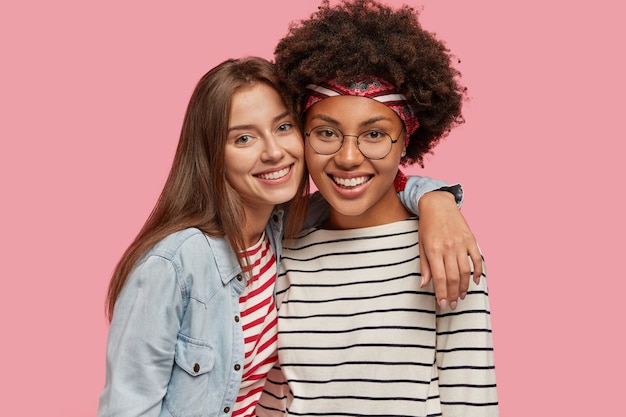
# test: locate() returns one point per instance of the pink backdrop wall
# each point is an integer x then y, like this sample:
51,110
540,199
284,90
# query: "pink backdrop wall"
91,102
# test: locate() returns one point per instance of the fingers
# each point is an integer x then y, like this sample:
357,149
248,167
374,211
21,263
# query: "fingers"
451,274
448,250
424,268
477,261
452,278
440,283
465,272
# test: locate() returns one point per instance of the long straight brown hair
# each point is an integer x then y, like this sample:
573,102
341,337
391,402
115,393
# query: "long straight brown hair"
196,193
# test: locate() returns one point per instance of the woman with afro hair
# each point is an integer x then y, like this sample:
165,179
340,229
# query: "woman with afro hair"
357,333
366,37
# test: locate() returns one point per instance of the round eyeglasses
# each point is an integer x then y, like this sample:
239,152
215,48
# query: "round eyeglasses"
373,144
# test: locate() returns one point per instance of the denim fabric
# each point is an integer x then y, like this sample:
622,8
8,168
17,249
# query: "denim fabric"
175,347
417,186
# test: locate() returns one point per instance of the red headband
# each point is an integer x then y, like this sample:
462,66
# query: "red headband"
370,87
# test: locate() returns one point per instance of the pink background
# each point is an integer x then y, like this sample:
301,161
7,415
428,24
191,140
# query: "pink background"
92,96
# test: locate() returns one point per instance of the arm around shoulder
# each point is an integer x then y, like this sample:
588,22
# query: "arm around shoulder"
416,187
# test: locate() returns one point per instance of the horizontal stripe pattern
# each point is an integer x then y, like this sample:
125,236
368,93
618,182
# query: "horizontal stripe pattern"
357,336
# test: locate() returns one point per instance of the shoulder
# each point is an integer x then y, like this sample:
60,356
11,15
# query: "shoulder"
192,257
191,249
305,237
178,242
170,253
189,242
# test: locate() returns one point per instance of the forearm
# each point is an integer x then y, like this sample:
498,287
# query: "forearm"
417,187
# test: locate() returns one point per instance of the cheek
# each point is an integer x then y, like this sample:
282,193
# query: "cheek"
314,161
232,177
392,165
388,167
236,164
392,162
296,147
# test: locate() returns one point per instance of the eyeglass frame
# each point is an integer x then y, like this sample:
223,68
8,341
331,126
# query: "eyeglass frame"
343,136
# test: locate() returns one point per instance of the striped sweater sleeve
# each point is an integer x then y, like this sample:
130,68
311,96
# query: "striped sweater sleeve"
465,360
273,401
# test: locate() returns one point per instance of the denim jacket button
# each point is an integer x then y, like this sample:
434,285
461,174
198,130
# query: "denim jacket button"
226,409
237,367
239,277
237,319
196,367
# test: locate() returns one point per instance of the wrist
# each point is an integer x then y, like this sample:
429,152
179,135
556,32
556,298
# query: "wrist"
435,198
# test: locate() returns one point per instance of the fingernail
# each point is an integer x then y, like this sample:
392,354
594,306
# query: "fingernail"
453,305
442,304
463,295
421,282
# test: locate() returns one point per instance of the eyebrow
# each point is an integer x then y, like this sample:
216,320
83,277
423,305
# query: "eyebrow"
364,123
246,127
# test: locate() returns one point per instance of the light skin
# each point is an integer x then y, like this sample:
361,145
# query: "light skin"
370,199
264,155
445,258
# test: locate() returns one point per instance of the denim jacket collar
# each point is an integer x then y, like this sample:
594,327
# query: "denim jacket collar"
225,259
227,262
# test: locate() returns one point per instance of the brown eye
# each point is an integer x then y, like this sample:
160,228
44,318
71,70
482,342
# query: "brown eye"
373,135
326,133
285,127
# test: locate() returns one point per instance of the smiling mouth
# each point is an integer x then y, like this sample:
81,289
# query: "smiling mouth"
275,175
349,182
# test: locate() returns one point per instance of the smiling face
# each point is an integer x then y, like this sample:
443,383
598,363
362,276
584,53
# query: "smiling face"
264,150
359,190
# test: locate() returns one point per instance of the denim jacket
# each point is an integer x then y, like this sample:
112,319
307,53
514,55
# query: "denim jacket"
175,345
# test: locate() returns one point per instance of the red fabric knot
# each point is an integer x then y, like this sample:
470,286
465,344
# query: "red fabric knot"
400,181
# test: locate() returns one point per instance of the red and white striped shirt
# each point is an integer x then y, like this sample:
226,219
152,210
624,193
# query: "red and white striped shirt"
259,323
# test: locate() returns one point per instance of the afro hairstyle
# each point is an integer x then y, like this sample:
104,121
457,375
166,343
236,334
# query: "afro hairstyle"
367,38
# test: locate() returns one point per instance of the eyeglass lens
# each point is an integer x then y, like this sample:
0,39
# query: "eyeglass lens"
373,144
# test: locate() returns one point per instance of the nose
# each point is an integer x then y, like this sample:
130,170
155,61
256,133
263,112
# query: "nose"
349,154
272,151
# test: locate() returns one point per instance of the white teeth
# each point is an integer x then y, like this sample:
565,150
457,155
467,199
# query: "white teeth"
275,175
350,182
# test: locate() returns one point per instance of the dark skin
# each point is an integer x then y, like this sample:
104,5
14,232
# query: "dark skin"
344,42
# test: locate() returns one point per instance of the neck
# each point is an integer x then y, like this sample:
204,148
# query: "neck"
388,209
256,221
